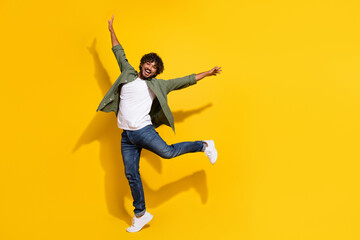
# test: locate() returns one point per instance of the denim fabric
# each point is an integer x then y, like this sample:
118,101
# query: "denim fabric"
132,142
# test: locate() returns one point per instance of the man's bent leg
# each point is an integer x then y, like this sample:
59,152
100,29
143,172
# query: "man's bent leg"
150,139
131,157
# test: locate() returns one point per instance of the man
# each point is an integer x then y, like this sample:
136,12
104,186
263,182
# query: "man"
139,101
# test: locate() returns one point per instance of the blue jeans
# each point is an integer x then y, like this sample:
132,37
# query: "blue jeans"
132,142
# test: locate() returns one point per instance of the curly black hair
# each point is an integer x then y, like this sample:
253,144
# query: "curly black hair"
153,57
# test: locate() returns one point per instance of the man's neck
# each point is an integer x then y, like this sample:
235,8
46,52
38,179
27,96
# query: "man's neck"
142,77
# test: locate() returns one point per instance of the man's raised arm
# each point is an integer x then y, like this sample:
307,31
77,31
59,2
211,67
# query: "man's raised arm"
114,39
117,48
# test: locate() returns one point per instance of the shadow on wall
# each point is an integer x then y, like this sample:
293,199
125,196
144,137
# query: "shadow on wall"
103,128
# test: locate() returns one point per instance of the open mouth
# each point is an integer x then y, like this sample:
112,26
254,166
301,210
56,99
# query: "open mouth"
148,71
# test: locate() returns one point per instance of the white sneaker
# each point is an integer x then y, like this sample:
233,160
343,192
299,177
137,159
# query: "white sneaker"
210,151
138,223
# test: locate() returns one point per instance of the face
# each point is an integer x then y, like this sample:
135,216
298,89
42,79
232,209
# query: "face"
148,69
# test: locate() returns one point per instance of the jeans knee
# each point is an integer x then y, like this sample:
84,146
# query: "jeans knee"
167,153
131,176
166,156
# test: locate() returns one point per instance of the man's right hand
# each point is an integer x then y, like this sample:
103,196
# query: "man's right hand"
111,24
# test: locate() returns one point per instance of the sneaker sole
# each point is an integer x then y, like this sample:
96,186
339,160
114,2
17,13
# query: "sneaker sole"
138,229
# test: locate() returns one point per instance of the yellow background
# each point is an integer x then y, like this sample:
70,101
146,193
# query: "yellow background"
284,115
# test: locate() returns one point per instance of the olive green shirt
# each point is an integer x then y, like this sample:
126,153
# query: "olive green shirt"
160,112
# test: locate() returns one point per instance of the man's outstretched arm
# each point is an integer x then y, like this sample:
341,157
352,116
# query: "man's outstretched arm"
183,82
212,72
118,49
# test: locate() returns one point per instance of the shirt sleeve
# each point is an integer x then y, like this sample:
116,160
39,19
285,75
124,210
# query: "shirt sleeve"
180,83
121,57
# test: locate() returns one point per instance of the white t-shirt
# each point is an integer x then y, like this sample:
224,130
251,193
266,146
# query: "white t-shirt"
135,103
